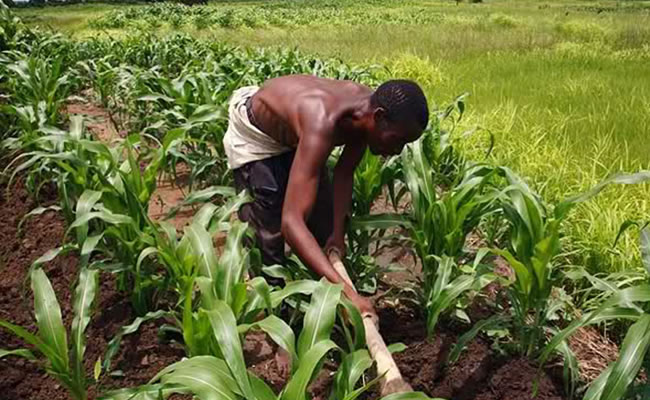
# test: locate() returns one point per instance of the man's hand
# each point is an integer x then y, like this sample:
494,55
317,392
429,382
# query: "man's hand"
335,244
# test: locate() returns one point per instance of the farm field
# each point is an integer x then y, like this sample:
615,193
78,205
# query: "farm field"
487,245
562,86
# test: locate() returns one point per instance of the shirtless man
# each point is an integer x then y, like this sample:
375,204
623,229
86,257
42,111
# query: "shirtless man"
278,141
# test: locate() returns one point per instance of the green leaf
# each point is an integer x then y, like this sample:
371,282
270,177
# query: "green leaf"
631,355
84,297
204,383
468,336
261,389
232,263
18,352
396,347
89,246
203,251
52,254
623,178
37,211
48,318
297,386
350,371
104,215
305,287
379,221
320,316
263,290
602,314
356,320
224,327
205,113
210,363
595,390
145,392
85,204
281,334
97,369
202,196
32,339
457,287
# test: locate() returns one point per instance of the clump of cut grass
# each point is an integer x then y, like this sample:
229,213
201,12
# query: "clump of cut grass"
582,30
416,68
503,20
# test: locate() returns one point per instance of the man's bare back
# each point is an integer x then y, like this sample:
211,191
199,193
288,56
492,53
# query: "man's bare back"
313,115
280,104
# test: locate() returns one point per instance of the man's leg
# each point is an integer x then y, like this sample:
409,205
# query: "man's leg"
266,182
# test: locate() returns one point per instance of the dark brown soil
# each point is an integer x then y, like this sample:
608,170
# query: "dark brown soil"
267,360
477,375
141,355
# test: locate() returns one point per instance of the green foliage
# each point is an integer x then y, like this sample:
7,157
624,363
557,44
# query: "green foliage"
440,220
64,362
284,14
373,177
533,248
224,373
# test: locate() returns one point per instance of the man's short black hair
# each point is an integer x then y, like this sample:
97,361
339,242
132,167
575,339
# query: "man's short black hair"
403,100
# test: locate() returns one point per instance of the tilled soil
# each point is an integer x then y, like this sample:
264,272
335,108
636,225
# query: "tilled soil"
478,375
141,354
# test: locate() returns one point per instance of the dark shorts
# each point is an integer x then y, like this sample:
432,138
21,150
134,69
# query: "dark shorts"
266,181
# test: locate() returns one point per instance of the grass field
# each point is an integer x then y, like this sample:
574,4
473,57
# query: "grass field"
563,86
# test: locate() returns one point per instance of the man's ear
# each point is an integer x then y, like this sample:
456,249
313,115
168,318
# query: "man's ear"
379,114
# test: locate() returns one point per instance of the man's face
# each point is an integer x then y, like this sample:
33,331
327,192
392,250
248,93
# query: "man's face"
390,138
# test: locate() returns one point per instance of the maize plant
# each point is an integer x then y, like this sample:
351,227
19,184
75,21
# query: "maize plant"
191,262
37,90
618,379
196,102
105,195
65,362
437,227
371,177
534,246
225,375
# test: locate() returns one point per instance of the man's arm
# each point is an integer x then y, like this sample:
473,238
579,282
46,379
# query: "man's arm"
343,185
311,155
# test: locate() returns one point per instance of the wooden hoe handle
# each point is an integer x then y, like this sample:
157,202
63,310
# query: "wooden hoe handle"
392,381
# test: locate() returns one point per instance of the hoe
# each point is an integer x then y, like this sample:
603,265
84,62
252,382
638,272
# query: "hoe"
391,379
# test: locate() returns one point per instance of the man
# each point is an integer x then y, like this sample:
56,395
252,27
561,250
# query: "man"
278,141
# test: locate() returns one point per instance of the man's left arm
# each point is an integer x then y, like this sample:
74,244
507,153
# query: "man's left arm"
343,184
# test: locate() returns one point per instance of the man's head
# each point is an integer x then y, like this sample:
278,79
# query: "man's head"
400,114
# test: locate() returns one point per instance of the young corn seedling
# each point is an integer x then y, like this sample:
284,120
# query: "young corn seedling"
105,195
371,176
63,361
225,376
37,90
438,225
196,102
619,379
534,245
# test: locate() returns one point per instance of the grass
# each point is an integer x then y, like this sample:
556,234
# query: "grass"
563,86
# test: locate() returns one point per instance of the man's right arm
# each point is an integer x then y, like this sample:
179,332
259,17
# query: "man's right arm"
311,155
